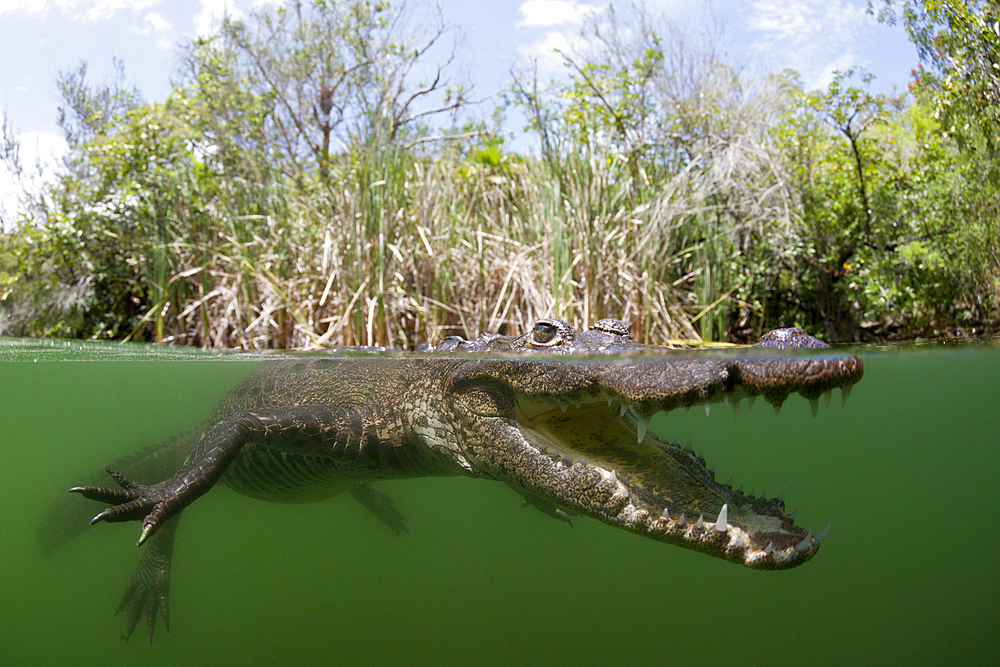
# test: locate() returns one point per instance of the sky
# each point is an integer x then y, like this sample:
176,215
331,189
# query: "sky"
42,38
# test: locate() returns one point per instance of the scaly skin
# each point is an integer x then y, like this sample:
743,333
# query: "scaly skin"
568,433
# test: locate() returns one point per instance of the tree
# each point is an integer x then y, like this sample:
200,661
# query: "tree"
887,229
322,76
650,107
286,139
960,41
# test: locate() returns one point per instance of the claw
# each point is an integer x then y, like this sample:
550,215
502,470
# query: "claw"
110,496
130,491
147,532
121,479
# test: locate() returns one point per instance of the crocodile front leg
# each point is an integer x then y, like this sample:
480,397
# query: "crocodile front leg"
307,429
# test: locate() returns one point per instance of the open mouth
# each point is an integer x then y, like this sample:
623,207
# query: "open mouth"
658,488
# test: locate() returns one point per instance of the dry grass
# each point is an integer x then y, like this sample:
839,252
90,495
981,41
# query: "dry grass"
400,250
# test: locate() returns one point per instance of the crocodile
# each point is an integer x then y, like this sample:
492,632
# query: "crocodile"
562,416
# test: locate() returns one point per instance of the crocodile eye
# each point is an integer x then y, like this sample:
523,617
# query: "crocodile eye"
544,333
550,333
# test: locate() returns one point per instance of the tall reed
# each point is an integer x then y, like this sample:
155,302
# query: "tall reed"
399,248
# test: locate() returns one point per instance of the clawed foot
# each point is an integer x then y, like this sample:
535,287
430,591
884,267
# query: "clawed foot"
145,595
151,503
381,506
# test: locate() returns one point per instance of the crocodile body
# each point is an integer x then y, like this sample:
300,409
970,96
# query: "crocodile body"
568,433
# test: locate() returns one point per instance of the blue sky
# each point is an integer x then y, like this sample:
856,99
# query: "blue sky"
43,37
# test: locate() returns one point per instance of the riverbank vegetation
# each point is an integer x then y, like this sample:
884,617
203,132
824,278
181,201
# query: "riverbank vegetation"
318,176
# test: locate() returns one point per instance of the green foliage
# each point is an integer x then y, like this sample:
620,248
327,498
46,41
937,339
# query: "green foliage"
882,238
291,192
960,42
273,124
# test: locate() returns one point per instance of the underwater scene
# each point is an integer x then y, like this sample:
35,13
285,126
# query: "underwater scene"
906,471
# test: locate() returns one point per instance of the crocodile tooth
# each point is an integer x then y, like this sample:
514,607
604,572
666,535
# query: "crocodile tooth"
666,514
792,515
581,460
725,397
750,401
708,407
730,483
769,548
701,521
613,478
723,523
845,391
577,402
564,406
610,399
777,409
781,496
804,544
622,409
641,426
827,395
736,409
814,404
821,534
681,520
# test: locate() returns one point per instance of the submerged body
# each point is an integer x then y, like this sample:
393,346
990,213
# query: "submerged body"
570,434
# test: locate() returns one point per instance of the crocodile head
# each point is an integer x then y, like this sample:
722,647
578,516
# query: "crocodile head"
575,432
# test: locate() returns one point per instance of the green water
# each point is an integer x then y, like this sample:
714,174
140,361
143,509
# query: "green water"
907,472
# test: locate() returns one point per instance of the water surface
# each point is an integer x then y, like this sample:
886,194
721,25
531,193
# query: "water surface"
907,472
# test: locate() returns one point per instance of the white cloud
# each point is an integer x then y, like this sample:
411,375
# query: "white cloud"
557,24
814,37
209,18
549,13
800,22
157,22
23,7
824,76
543,52
154,22
102,10
77,10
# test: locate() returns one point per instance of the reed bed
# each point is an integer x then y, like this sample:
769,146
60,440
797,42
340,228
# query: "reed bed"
400,249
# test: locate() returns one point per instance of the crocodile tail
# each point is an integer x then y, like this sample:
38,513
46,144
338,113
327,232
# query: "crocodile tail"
70,515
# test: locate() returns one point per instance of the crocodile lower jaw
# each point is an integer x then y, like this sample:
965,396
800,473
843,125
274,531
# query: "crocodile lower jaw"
657,488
